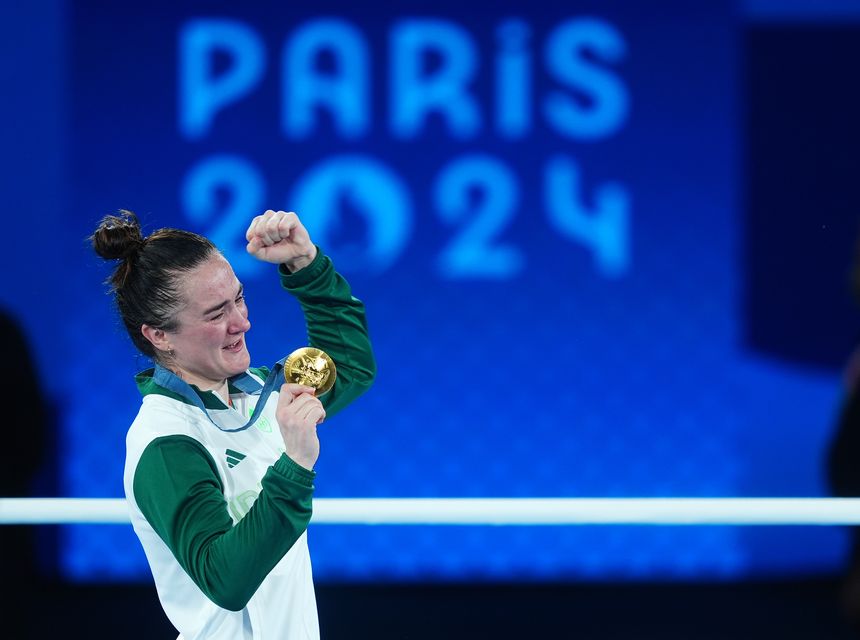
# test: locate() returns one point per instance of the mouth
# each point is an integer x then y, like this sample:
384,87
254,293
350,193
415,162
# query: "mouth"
236,346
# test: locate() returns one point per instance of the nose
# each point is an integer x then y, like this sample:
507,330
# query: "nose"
239,322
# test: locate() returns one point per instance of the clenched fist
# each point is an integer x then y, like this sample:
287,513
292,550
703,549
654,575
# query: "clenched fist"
280,238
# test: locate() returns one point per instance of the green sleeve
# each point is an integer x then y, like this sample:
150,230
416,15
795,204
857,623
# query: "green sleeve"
336,323
179,491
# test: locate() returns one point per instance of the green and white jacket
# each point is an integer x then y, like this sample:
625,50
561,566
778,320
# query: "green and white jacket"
222,516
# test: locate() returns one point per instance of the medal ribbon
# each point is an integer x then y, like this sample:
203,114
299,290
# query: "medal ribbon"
244,382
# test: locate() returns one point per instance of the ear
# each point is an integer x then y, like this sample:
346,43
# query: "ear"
156,336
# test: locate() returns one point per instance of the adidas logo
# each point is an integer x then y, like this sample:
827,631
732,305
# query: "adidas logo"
234,457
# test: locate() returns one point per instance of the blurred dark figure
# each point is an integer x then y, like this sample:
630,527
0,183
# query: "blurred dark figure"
24,452
844,464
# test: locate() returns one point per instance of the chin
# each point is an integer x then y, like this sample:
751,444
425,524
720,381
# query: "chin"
239,365
245,363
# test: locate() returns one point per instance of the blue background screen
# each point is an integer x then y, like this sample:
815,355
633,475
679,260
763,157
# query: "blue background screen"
542,206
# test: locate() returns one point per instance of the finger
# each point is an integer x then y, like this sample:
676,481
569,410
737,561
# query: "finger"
253,246
260,231
273,227
312,412
294,390
249,234
286,224
300,401
319,416
300,410
262,234
258,228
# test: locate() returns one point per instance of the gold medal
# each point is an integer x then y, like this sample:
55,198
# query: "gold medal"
311,367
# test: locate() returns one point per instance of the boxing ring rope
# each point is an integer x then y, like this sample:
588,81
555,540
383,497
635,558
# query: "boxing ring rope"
492,511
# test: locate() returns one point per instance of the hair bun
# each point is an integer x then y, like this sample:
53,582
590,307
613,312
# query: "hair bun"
118,237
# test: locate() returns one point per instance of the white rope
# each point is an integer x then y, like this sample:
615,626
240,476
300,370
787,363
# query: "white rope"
493,511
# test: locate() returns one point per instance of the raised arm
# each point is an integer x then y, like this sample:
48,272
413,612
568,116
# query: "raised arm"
335,319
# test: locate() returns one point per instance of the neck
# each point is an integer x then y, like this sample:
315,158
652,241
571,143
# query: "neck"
222,392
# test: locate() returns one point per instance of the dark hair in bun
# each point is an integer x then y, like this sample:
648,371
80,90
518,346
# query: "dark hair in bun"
145,283
118,236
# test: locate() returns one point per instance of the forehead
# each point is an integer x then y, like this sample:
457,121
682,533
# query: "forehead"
211,282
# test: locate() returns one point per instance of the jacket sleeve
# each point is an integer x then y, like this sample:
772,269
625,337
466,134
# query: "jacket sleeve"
179,491
336,323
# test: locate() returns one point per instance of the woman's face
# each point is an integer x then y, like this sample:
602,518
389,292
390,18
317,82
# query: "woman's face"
209,345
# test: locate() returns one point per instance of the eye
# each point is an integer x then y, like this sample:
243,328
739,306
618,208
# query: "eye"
240,299
217,317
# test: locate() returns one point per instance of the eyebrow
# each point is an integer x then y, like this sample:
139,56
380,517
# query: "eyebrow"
219,306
